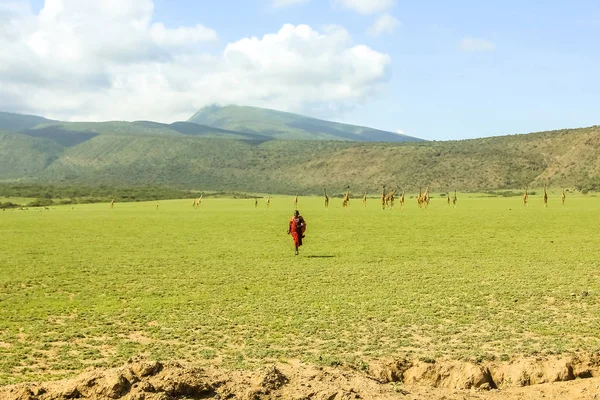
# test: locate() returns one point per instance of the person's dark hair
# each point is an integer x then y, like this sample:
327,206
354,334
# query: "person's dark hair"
296,212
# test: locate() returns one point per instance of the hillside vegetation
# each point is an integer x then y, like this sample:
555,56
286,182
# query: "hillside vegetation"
564,158
23,157
18,122
186,155
283,125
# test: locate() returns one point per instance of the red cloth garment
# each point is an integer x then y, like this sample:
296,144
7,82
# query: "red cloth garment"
297,229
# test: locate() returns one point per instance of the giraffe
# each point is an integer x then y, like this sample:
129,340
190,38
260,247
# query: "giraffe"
268,201
454,199
420,199
525,197
426,197
112,203
326,199
296,201
346,200
389,199
383,202
402,200
255,202
157,203
448,198
364,200
545,197
563,197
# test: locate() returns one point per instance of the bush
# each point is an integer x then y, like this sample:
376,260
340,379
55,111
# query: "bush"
40,203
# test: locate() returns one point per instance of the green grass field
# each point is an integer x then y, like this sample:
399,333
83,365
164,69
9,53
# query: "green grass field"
488,279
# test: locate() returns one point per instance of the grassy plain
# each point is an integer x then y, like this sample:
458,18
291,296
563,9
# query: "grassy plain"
487,279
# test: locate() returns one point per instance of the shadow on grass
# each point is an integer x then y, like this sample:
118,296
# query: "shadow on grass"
320,256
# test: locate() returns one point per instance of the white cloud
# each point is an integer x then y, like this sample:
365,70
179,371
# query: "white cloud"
120,65
472,45
384,24
367,6
287,3
181,36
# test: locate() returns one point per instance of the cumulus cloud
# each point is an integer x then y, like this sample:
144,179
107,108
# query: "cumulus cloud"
367,6
286,3
473,45
90,60
384,24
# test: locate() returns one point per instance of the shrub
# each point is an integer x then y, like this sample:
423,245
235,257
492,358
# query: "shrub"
40,203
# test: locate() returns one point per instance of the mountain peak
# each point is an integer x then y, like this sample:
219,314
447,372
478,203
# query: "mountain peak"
289,126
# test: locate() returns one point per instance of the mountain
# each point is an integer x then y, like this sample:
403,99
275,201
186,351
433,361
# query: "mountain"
186,155
23,157
568,158
288,126
252,124
19,122
73,133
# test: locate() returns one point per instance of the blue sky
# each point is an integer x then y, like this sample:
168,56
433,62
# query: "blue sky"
459,69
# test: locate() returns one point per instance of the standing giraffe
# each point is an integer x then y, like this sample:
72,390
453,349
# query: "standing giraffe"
255,202
454,199
426,197
563,197
420,199
112,203
364,200
268,201
326,199
346,200
383,198
545,197
296,201
402,200
389,199
448,198
525,197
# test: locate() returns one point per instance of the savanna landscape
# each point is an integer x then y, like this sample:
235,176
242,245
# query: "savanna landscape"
423,302
299,200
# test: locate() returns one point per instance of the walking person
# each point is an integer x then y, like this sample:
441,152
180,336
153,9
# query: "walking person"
297,228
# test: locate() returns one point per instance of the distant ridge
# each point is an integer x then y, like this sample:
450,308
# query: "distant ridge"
19,122
249,157
289,126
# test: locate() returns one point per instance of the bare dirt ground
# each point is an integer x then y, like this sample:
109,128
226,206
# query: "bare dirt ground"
575,377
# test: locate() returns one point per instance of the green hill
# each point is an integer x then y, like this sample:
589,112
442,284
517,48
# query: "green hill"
23,157
283,125
73,133
187,155
18,122
563,158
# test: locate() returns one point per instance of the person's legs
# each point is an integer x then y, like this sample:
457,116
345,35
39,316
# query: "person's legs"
297,241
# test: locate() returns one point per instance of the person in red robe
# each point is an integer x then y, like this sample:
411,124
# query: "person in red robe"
296,229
